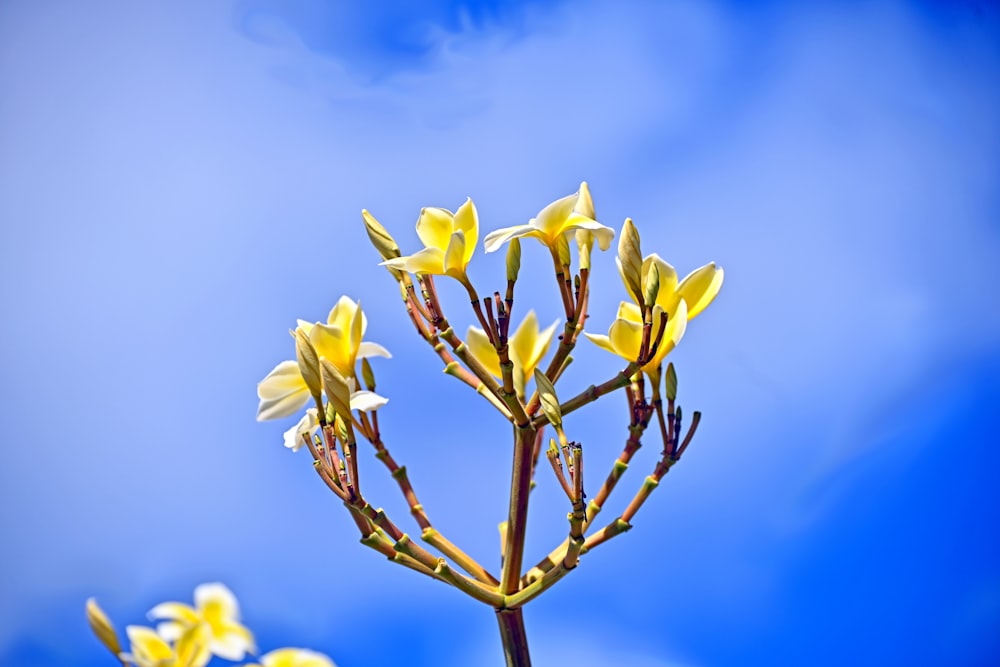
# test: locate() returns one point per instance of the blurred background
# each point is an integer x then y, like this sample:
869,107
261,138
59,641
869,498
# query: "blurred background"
180,181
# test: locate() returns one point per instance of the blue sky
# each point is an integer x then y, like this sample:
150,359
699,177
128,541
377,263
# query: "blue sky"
180,181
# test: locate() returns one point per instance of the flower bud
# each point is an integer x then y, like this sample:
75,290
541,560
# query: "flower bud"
382,240
584,244
337,391
630,260
101,626
585,205
562,250
308,360
652,286
547,398
367,375
670,382
513,259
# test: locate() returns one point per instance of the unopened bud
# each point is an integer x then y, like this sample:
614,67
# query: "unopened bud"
367,375
513,259
101,626
585,204
584,244
382,240
652,286
562,250
670,382
630,260
336,388
341,427
308,360
547,398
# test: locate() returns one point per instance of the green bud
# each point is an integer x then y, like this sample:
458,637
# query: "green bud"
652,286
584,244
670,381
630,260
548,399
382,240
367,375
513,259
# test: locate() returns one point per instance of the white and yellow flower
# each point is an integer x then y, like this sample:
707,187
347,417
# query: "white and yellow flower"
217,611
293,657
149,649
308,426
561,218
449,240
284,391
526,348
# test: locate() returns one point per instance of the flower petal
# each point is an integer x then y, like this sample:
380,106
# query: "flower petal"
522,342
428,260
175,611
434,227
601,341
370,349
283,406
497,238
667,273
342,314
334,344
629,311
626,338
551,220
282,380
217,598
367,401
467,220
482,349
454,257
676,326
602,233
308,425
699,288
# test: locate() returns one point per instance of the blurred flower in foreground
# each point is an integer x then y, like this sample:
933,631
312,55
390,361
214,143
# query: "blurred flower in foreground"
293,657
561,217
148,649
284,390
215,608
527,347
449,241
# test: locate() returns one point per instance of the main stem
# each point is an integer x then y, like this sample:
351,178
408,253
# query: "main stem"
514,638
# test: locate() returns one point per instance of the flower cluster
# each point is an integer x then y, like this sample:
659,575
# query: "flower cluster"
189,636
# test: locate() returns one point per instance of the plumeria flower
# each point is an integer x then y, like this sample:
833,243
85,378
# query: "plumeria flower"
449,240
307,426
526,348
284,391
293,657
216,609
148,649
625,336
560,218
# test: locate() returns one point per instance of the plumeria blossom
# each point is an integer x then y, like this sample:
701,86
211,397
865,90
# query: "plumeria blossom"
625,336
284,391
561,218
293,657
449,240
149,649
216,609
526,347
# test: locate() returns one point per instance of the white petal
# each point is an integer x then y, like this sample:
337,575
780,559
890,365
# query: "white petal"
497,238
367,401
217,593
283,406
283,379
370,349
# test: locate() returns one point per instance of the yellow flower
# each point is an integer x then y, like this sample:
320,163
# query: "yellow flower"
699,288
284,391
294,657
217,610
449,240
625,336
149,649
559,219
526,347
